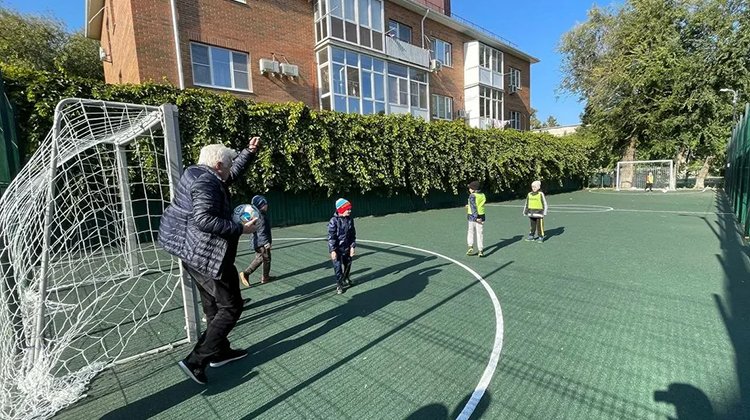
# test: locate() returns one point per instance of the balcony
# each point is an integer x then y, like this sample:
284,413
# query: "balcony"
407,52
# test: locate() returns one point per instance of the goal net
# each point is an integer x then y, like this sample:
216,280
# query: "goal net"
80,275
633,175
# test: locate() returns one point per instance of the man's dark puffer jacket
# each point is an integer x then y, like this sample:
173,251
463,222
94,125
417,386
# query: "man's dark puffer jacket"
197,226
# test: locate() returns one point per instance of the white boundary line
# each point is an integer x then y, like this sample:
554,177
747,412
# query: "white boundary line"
564,208
590,208
639,192
497,346
673,211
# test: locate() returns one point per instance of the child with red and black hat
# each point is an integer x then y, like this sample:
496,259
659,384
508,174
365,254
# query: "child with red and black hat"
342,238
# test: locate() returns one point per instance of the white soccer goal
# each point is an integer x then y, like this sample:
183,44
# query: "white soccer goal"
80,272
631,175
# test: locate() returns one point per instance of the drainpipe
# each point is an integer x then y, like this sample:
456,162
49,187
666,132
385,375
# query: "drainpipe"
177,45
423,18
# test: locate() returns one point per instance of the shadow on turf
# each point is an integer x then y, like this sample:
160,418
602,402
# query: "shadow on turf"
734,308
690,402
440,412
489,250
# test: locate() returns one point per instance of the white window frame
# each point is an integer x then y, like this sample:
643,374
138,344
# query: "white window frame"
371,73
232,69
438,103
490,58
493,101
514,82
398,30
339,9
447,58
515,120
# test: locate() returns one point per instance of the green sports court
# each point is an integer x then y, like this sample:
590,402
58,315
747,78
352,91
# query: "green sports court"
635,307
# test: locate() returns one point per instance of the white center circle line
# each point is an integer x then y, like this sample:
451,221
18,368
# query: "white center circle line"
489,370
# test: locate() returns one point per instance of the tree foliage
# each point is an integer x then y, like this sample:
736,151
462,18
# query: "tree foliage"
325,151
651,70
42,43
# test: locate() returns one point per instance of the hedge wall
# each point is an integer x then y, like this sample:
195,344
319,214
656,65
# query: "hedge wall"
322,152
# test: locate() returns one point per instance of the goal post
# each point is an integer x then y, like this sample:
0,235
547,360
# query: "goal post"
632,175
80,271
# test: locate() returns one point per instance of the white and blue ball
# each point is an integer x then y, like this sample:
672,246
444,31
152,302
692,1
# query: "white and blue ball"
244,213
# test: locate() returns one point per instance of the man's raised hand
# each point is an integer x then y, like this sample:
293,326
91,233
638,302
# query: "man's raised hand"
253,144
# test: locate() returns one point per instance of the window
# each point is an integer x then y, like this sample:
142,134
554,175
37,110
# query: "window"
407,86
219,67
490,103
399,31
441,51
515,80
441,107
515,120
357,82
356,21
490,58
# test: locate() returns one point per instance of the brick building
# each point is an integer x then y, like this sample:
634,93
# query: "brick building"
363,56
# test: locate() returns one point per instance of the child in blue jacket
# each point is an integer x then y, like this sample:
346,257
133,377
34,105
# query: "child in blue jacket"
342,238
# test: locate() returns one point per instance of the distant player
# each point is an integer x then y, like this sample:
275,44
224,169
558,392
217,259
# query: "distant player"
342,239
535,208
649,182
476,217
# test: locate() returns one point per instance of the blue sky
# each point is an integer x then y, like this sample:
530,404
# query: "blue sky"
535,26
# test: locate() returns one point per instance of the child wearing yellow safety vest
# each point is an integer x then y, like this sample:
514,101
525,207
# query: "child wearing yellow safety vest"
535,208
476,218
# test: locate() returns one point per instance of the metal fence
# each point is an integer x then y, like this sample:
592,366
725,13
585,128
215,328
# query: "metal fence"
737,177
9,159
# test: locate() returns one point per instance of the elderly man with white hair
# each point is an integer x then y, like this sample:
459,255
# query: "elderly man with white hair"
197,227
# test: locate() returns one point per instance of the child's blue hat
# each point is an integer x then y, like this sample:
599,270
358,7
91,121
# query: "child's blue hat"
259,201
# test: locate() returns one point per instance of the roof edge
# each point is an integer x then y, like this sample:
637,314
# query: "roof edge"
92,27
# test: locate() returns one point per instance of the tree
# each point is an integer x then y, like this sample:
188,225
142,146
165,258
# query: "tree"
42,43
551,121
650,72
534,121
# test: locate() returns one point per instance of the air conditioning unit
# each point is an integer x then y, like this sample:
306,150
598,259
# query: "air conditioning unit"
269,66
289,70
460,113
435,65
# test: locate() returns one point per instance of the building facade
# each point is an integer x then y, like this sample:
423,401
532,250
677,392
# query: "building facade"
358,56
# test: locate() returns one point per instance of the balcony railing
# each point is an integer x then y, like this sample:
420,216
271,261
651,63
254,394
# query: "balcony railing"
407,52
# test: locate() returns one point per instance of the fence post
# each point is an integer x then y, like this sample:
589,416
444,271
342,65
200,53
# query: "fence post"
9,159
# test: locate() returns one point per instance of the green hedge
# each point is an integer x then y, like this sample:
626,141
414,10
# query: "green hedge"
324,152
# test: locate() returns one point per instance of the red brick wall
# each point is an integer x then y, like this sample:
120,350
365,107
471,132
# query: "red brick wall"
450,80
260,27
519,101
118,41
154,40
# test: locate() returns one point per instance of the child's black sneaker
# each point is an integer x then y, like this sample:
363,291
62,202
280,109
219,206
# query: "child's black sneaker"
530,237
340,290
539,239
195,373
228,356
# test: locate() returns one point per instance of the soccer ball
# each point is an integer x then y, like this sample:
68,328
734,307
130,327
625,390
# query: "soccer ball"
244,213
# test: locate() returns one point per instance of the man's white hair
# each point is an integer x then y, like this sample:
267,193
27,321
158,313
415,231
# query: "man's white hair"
215,153
536,184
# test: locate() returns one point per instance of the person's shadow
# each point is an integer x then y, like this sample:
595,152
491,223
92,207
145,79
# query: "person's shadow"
359,305
489,250
554,232
690,402
440,411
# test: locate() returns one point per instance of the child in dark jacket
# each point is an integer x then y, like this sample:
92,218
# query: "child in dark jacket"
261,244
342,238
